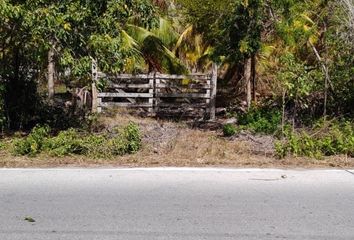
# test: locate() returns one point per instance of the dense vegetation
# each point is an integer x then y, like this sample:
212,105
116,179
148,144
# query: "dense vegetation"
325,139
283,64
72,142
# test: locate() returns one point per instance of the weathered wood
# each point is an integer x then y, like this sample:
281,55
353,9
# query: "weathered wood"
157,92
183,95
183,105
99,102
132,100
151,91
182,110
181,77
189,86
124,76
94,88
214,83
126,95
191,99
196,76
124,104
131,86
207,101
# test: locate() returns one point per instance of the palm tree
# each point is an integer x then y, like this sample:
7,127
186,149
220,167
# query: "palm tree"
151,47
193,50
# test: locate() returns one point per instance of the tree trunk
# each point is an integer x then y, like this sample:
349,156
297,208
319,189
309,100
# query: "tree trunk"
254,80
94,70
283,112
247,77
51,74
214,84
328,84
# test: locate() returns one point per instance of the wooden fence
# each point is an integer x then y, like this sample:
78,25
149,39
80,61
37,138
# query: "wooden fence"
157,94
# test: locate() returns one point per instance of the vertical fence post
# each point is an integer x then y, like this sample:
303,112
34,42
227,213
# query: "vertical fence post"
214,84
207,101
157,93
94,72
152,92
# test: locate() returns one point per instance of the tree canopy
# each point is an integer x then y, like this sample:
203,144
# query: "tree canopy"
297,53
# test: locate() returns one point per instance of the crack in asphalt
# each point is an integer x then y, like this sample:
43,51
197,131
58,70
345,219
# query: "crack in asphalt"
348,171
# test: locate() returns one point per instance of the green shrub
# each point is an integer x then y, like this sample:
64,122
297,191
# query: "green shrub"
32,144
97,146
131,134
72,142
126,141
261,120
337,138
229,130
65,143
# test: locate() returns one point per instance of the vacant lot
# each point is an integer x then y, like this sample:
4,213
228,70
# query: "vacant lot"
168,143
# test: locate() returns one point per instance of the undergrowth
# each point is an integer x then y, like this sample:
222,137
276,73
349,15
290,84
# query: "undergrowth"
229,130
260,120
325,139
2,144
126,140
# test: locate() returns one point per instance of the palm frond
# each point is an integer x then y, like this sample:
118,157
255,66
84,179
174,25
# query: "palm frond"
183,37
166,32
155,53
128,43
160,58
139,34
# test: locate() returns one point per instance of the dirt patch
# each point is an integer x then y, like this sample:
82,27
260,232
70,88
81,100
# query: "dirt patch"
258,144
175,144
156,134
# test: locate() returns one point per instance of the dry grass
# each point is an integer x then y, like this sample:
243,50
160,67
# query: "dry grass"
171,144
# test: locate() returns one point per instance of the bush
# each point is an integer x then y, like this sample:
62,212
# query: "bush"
132,134
72,142
261,120
66,143
97,146
33,143
229,130
336,138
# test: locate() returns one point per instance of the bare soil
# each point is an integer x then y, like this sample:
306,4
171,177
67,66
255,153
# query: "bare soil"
168,144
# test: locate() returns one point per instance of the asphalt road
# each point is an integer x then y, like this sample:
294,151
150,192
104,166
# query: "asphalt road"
176,204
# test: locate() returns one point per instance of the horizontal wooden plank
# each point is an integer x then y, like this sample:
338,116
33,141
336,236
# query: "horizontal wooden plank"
180,110
125,76
121,104
181,77
132,76
126,95
200,77
189,86
193,79
132,86
183,105
183,95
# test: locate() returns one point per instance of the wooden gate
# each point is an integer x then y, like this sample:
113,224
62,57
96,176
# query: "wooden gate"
157,94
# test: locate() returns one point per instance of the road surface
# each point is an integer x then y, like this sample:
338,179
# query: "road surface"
174,204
